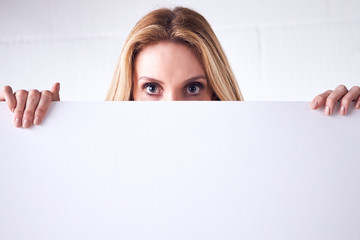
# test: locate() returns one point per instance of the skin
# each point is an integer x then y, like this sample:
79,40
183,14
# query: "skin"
168,71
163,71
329,99
29,107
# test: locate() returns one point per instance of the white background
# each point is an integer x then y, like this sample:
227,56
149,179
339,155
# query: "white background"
279,49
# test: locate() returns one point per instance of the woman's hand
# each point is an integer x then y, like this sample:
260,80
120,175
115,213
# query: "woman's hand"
29,107
329,99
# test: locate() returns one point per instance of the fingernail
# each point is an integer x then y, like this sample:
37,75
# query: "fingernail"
13,109
26,123
314,105
37,121
327,110
342,110
358,105
17,122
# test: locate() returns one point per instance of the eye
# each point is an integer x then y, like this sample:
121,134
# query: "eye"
194,88
151,88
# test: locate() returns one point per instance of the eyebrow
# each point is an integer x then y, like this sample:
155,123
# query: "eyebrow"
158,81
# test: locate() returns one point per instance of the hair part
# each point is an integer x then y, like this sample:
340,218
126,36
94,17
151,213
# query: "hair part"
181,25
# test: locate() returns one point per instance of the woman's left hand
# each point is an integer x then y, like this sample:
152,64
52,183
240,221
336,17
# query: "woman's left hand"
329,99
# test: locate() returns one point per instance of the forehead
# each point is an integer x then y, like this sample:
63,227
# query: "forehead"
164,60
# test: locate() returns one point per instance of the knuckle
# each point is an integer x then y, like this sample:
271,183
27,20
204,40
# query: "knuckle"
18,112
29,113
331,100
34,92
355,88
320,98
22,92
342,87
40,111
7,89
46,94
345,101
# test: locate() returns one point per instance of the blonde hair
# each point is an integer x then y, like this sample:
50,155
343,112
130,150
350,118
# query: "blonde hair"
179,25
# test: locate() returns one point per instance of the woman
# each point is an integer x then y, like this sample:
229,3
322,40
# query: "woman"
169,55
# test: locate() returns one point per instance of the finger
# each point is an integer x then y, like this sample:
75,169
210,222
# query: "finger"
21,97
357,104
335,96
44,103
55,90
352,95
7,95
320,99
30,106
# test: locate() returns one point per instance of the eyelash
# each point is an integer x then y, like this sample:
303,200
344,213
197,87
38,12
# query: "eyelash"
146,85
197,84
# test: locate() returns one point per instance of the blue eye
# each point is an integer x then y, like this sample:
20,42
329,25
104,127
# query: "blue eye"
151,88
194,88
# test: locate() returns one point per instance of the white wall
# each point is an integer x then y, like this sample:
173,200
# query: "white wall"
279,49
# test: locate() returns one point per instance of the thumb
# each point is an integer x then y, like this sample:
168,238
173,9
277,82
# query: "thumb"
55,91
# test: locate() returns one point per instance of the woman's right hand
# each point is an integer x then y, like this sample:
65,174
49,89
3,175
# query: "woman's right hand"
29,107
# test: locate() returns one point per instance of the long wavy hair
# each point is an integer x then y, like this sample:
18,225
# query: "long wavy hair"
181,25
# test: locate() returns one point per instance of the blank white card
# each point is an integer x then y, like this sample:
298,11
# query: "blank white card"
181,170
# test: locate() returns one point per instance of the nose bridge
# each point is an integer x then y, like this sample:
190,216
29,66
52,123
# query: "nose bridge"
172,95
